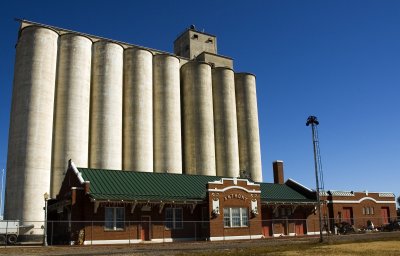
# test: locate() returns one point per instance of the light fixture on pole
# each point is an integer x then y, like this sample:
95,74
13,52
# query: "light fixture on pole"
313,121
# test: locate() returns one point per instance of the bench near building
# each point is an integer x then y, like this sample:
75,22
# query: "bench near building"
112,206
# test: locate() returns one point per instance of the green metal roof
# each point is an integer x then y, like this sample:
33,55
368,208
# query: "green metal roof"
272,192
128,186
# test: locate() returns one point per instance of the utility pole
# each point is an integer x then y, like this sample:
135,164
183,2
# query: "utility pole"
313,121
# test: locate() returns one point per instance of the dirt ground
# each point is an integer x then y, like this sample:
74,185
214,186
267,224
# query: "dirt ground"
360,244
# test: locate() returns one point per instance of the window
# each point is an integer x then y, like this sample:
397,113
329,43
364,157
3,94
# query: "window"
114,218
367,211
363,210
173,218
195,36
236,217
371,210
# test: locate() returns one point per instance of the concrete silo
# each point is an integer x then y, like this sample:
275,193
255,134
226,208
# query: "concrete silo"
31,125
198,121
138,110
105,149
167,114
72,102
248,131
225,123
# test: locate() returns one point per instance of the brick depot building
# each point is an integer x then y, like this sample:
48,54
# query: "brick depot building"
357,208
110,206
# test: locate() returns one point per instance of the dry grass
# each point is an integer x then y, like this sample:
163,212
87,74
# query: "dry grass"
376,248
380,244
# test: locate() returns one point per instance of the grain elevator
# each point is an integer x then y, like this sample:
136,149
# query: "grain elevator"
113,105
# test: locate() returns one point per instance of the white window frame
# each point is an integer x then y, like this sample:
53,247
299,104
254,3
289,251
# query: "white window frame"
176,223
114,220
243,220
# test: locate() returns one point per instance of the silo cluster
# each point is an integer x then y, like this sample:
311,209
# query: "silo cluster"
109,105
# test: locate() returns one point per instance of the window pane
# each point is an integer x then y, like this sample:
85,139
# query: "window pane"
109,218
227,218
235,217
169,218
245,217
120,217
178,218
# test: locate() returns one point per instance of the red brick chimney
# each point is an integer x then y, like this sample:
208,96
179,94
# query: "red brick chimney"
278,172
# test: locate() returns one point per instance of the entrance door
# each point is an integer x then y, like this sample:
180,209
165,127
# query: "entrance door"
299,228
145,231
385,214
265,231
348,215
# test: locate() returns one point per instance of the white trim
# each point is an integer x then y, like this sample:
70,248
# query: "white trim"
221,181
136,241
282,235
359,201
222,238
310,190
341,193
126,241
234,187
315,233
77,172
170,240
386,194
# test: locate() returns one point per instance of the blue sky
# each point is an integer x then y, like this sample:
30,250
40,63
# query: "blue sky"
338,60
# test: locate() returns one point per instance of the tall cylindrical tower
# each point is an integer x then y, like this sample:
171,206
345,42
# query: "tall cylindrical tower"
225,123
31,125
167,114
138,110
71,117
198,121
248,131
105,149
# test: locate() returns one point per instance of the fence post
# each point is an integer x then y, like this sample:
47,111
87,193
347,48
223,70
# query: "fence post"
6,238
223,234
52,232
129,232
91,234
249,230
195,231
272,228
